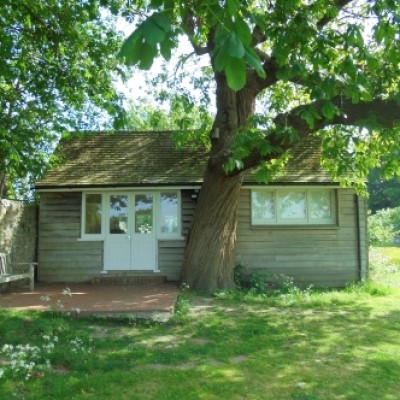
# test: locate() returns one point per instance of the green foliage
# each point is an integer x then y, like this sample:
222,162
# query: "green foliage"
152,37
291,54
265,286
183,115
384,192
57,70
384,225
281,73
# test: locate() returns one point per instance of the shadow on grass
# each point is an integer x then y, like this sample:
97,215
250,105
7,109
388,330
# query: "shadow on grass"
230,350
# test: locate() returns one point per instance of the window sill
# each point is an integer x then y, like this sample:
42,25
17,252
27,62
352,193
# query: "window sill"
91,239
166,238
299,226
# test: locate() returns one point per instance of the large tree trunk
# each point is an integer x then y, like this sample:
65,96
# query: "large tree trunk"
208,263
209,257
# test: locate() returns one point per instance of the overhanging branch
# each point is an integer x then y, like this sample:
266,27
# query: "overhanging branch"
189,25
339,4
384,114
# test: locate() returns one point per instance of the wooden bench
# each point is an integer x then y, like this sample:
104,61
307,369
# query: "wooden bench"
19,272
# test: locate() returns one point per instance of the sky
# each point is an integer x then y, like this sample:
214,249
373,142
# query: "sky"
135,88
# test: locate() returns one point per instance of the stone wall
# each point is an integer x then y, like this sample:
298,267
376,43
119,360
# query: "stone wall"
18,230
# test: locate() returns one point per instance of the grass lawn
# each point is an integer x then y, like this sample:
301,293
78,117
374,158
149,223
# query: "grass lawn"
296,345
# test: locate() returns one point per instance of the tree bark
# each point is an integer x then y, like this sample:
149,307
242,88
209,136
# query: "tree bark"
209,257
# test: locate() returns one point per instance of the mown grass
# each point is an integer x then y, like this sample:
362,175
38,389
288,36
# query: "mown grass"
300,345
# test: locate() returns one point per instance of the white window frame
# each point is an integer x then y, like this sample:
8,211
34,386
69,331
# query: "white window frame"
307,220
105,212
167,235
92,236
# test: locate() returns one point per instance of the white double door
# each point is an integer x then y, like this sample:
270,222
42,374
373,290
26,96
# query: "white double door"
130,240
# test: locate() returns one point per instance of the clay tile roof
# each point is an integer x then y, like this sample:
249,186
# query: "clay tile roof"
126,158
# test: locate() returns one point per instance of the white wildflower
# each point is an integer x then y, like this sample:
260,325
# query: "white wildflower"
67,292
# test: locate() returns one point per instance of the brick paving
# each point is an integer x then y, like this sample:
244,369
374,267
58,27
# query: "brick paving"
154,301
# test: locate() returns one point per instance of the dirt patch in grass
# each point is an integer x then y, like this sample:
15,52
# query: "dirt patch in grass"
238,359
60,369
183,366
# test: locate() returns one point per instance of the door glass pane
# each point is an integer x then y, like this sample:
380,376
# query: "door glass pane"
144,213
118,214
320,204
169,212
292,205
93,213
262,206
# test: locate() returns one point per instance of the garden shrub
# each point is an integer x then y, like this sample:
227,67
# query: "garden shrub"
384,225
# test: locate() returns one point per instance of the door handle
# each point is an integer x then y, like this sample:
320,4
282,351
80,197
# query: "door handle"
129,237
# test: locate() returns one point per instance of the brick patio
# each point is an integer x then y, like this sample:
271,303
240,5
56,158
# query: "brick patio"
155,301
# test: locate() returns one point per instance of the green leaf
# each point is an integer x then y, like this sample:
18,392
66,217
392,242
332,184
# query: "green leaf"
147,55
235,71
354,37
242,30
310,115
131,48
329,110
156,3
221,55
252,59
152,32
165,49
162,21
221,35
381,32
235,46
281,53
232,7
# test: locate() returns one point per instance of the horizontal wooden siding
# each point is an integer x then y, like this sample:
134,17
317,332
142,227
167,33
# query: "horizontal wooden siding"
170,252
323,257
62,258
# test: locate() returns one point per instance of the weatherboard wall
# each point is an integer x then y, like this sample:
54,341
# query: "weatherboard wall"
312,255
63,257
170,252
321,256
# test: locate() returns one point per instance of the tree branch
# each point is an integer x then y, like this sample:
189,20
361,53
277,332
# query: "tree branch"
258,36
189,27
269,63
339,4
385,114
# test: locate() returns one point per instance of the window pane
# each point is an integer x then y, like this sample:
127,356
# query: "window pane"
118,214
262,206
93,213
320,204
144,213
169,212
292,205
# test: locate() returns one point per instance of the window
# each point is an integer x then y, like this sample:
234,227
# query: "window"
122,214
118,214
293,207
169,213
144,213
93,210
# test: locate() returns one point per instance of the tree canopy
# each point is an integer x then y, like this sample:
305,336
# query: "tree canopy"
319,63
383,193
326,68
57,65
